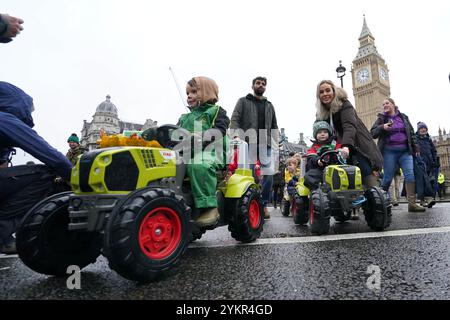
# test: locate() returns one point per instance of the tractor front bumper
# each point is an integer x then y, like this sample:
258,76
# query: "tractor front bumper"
90,212
347,199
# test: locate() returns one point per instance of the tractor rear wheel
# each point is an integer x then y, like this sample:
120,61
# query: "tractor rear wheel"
246,216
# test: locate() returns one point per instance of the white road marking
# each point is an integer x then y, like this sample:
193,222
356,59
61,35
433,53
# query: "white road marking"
310,239
8,256
6,268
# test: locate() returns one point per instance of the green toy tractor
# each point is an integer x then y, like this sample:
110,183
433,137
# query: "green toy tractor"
342,192
133,205
296,198
296,202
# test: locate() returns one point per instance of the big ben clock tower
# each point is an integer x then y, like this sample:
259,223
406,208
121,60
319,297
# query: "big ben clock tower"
370,77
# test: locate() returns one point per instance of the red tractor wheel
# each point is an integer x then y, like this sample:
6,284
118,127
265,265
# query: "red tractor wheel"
246,217
147,234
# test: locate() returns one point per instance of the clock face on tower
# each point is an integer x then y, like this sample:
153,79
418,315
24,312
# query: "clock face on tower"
363,75
383,74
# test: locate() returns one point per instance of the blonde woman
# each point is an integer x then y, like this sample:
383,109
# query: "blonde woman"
357,144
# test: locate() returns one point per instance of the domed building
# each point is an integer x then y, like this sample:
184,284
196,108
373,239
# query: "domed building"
106,117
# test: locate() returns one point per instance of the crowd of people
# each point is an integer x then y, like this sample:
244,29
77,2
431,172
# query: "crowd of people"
404,160
401,152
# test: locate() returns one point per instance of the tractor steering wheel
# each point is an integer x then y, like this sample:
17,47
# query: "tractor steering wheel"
331,157
168,135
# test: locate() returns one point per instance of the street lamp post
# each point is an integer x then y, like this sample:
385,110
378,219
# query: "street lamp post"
341,72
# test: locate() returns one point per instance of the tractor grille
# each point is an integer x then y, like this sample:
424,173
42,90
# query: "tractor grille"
336,180
351,174
351,177
149,158
122,174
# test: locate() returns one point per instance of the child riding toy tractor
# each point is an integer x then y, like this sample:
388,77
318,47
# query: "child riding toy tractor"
296,195
133,204
342,192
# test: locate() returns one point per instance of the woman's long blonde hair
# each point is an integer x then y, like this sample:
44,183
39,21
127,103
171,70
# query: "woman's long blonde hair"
340,96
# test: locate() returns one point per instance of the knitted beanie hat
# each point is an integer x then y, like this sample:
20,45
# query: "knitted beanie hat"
421,125
74,138
321,125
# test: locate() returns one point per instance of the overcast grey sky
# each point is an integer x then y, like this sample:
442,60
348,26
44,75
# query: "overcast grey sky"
73,53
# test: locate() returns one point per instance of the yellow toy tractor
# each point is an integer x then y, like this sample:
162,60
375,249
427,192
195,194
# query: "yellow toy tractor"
133,205
342,192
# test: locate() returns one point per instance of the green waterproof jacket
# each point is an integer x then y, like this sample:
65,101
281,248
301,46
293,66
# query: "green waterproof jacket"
205,117
209,115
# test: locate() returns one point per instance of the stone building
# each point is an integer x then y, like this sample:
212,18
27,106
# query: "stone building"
106,117
442,143
370,78
287,147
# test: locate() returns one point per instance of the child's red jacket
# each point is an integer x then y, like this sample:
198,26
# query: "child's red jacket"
317,150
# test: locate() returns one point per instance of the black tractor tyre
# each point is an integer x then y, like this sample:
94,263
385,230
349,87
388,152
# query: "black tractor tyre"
319,212
301,214
285,207
377,209
246,216
147,234
197,234
45,244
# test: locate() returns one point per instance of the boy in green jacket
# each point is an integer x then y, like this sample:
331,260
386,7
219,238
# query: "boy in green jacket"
202,95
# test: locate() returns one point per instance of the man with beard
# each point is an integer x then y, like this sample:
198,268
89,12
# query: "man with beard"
255,112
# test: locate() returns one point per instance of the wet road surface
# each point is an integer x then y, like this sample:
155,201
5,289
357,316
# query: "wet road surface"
412,256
